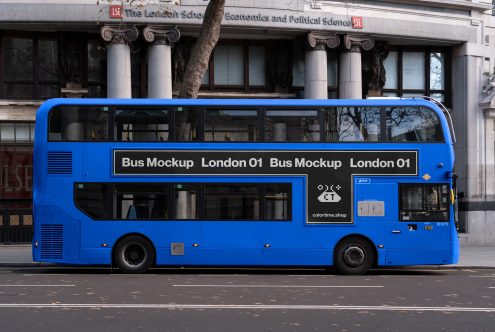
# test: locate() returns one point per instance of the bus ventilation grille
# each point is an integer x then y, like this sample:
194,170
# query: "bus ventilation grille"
52,243
60,163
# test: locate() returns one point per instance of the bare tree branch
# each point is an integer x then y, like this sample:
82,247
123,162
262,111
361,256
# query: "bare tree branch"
200,55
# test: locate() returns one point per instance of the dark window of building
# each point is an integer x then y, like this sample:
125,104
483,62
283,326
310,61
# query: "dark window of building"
30,67
97,69
237,66
418,72
424,202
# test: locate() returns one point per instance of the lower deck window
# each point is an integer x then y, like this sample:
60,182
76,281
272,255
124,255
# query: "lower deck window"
232,202
184,201
141,201
424,202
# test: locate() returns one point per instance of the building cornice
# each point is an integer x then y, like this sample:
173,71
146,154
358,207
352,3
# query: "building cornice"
457,4
454,4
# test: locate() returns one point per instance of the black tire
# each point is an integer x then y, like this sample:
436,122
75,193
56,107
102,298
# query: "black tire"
133,254
354,256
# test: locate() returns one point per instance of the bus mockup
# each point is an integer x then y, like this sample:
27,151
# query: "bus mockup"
136,183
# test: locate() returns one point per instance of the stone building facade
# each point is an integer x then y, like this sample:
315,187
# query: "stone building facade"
267,49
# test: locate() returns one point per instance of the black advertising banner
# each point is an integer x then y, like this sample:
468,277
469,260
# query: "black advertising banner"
328,173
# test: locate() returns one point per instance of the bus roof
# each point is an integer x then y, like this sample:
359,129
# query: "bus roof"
46,106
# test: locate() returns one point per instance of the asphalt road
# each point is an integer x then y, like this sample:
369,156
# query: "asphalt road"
73,299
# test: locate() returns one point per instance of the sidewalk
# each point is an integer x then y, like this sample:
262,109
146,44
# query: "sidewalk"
471,257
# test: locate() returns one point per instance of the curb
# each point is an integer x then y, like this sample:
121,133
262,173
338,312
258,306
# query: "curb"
417,267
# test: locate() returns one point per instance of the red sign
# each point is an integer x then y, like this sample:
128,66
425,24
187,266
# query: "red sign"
357,22
16,172
116,11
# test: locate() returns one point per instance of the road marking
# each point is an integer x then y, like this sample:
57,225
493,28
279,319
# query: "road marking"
223,275
44,274
492,276
310,275
242,307
276,286
37,285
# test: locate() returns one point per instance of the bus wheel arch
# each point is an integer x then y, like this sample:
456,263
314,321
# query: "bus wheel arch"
133,253
354,254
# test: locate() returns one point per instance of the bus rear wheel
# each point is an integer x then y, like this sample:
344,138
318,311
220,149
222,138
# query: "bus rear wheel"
133,254
354,256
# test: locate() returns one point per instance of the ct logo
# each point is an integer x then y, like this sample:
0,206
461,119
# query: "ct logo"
329,195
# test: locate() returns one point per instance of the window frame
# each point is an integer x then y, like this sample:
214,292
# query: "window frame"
262,116
423,186
16,142
245,86
36,83
111,200
427,91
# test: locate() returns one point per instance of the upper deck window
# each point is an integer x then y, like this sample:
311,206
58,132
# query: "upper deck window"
187,122
353,124
253,124
78,123
232,125
141,125
292,126
413,124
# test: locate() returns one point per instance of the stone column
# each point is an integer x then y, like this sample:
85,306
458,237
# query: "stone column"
119,59
160,59
315,64
488,107
350,73
489,157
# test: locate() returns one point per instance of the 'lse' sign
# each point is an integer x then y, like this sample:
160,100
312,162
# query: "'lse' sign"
116,11
357,22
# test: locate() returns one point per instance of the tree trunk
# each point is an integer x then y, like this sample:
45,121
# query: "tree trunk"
200,55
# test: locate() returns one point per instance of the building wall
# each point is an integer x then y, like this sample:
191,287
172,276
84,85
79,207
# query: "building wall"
462,31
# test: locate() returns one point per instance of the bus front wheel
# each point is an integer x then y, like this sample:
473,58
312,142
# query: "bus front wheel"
133,254
354,256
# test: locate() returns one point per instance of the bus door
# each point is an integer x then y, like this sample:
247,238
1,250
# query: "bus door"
423,229
375,211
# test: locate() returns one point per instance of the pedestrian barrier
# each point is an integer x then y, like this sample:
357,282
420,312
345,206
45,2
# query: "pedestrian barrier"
16,226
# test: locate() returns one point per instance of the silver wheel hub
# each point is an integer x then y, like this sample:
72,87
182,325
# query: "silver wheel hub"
134,254
354,256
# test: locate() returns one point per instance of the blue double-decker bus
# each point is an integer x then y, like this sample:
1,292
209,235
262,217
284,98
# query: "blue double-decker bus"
136,183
